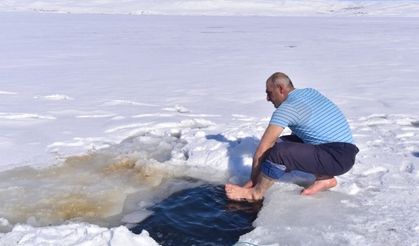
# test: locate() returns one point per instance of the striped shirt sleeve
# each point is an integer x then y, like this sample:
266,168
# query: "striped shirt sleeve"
285,116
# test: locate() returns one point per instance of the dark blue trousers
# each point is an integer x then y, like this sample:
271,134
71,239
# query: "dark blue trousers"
329,159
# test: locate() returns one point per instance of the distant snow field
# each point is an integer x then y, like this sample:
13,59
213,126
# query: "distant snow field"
221,7
102,116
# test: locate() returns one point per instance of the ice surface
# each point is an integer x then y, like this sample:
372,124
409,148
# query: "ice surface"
323,219
115,148
75,234
54,97
7,93
95,187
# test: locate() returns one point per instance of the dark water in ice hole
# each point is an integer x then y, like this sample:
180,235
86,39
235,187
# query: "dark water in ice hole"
199,216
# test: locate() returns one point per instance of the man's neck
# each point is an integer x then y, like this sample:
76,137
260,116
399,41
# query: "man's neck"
288,92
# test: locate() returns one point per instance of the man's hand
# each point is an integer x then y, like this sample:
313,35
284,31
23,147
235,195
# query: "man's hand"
269,138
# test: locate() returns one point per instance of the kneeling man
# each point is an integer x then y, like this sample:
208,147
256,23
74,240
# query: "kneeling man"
321,143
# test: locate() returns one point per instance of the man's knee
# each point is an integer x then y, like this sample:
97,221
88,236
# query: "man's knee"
294,156
279,153
272,170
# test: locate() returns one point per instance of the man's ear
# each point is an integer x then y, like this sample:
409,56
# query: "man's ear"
281,88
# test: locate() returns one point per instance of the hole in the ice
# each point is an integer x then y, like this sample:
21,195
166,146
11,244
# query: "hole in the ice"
416,153
199,216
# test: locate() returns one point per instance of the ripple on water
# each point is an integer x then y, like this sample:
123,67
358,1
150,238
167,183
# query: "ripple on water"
199,216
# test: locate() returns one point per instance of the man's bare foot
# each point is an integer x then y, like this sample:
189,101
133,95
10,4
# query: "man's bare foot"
237,193
320,185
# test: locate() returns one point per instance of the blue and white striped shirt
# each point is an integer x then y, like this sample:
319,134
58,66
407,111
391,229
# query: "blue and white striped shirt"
312,117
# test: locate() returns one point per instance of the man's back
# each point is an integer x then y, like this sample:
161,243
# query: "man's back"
312,117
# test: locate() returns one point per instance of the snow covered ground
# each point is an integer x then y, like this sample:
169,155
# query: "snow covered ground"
103,115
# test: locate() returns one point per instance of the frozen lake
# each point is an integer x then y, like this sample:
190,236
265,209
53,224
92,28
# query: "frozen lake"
136,102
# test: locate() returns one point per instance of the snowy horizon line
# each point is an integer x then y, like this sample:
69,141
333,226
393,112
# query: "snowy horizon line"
406,8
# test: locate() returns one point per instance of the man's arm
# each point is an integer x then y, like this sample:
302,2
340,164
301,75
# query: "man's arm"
269,138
